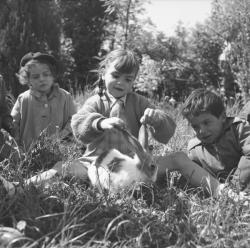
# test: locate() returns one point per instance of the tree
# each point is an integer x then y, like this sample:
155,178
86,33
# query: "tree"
83,30
126,24
231,20
205,48
25,25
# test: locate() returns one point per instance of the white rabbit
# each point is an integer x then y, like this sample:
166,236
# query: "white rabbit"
112,170
115,171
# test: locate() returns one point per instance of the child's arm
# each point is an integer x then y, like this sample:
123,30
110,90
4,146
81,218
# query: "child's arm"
8,147
193,172
242,173
84,122
16,115
69,111
163,125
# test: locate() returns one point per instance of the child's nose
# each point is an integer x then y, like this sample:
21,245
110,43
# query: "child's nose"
202,129
41,76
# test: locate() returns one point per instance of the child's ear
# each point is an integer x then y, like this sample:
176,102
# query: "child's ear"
223,116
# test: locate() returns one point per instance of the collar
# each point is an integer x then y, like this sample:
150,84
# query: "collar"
112,100
54,92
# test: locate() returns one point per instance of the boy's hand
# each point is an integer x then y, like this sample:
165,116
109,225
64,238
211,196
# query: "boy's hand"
150,117
112,122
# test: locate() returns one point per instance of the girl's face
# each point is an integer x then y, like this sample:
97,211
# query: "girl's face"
208,127
40,78
118,84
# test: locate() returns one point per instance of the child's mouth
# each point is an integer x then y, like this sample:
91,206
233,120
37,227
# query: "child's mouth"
118,89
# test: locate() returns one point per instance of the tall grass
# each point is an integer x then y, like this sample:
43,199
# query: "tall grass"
69,213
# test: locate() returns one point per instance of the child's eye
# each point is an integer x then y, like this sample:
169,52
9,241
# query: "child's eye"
46,74
206,123
35,76
195,127
115,75
129,80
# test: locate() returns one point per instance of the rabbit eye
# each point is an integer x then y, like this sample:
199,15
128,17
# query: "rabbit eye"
150,148
153,166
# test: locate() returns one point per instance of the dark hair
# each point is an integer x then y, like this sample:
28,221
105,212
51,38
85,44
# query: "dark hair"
202,101
24,73
127,61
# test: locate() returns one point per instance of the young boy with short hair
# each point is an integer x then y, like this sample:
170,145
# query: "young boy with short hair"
221,149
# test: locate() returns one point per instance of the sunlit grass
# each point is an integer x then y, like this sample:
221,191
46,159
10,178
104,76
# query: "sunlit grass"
67,213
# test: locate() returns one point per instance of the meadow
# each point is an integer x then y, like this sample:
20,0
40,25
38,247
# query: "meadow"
70,213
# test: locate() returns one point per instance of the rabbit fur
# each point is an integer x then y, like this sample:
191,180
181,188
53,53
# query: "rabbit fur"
115,171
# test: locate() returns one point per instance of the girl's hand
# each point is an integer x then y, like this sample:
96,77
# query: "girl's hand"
150,117
112,122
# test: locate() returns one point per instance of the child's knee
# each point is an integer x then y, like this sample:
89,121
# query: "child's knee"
75,168
171,162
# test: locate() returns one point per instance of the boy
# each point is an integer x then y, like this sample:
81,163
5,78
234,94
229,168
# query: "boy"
221,148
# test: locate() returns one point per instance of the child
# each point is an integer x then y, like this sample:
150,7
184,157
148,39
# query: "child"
221,148
44,106
117,105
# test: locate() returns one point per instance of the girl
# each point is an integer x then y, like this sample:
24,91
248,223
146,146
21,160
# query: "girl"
44,106
117,105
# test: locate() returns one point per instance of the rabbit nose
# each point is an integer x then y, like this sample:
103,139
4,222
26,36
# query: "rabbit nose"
153,167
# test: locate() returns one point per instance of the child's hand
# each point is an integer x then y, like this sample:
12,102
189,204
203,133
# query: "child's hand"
112,122
150,117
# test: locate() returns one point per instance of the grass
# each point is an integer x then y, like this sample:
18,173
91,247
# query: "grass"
69,213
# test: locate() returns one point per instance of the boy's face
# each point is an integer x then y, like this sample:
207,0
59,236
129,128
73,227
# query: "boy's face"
207,126
118,84
40,78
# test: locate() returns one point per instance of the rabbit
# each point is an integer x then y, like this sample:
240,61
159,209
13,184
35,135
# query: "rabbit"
114,171
111,170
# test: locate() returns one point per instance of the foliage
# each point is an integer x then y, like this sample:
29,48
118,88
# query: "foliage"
149,79
206,50
231,20
126,25
46,26
26,25
83,30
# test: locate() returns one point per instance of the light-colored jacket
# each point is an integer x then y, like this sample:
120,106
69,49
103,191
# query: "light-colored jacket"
33,113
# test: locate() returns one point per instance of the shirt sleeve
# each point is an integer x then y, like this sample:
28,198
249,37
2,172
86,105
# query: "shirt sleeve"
164,126
84,122
242,173
16,115
69,111
8,147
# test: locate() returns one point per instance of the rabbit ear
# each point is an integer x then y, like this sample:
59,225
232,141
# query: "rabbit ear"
143,137
134,145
